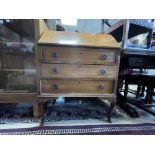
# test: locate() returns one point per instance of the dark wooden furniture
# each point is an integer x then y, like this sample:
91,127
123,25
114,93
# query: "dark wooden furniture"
135,55
139,59
143,81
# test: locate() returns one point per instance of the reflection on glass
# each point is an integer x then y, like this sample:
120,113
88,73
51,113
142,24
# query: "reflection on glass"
17,56
140,33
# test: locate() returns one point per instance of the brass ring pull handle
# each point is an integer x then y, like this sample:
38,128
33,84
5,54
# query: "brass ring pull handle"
55,55
103,72
55,87
103,57
100,87
55,70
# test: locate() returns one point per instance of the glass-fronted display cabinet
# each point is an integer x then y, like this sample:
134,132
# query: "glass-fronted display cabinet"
17,56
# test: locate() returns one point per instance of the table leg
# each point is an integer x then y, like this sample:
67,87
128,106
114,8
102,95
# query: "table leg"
36,109
110,111
46,107
126,90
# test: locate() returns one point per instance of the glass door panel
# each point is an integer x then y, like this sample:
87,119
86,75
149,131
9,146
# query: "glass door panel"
17,56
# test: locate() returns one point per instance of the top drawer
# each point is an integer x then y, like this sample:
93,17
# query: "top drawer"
77,55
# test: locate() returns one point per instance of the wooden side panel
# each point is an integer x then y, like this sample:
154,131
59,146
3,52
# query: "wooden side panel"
40,29
78,71
76,86
77,55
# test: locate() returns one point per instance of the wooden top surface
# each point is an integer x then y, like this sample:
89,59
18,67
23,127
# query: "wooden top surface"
78,39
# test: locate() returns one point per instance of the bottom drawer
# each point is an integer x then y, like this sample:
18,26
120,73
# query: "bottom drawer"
75,86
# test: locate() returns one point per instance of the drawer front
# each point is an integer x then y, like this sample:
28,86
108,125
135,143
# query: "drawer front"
77,71
76,86
77,55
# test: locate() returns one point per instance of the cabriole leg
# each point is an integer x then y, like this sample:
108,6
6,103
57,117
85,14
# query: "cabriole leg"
110,111
113,103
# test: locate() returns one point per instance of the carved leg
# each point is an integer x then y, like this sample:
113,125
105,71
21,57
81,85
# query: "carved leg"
42,113
110,111
126,90
36,109
46,107
113,103
143,89
151,95
138,90
147,95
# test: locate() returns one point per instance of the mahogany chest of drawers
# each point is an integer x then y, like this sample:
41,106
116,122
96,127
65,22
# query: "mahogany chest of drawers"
78,65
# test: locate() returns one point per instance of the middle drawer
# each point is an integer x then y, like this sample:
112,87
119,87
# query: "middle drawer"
77,71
